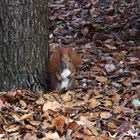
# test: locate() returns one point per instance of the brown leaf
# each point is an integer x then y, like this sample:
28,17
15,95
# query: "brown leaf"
71,104
79,135
105,115
2,137
51,105
107,103
90,116
22,103
109,46
35,123
11,95
94,115
29,136
73,125
118,55
85,31
53,113
68,96
2,103
40,101
102,37
59,124
51,136
102,79
87,131
117,108
87,124
93,103
93,130
110,68
116,98
112,125
11,128
97,69
26,116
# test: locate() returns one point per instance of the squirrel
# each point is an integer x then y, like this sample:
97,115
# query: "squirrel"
63,64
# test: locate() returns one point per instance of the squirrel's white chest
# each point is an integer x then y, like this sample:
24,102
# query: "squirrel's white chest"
65,83
65,73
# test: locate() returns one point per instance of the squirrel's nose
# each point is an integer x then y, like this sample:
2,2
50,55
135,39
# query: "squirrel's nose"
65,67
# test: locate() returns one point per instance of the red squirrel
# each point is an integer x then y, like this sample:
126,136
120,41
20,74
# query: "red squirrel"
63,64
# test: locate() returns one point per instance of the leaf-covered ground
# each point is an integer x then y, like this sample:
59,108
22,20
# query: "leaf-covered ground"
106,103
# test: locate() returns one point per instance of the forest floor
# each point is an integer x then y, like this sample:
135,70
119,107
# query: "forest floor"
106,103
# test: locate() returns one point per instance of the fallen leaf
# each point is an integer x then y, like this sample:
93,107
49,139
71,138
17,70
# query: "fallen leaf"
110,68
51,105
11,128
118,55
116,98
85,31
93,130
22,103
125,126
93,103
94,115
2,136
102,79
112,125
59,124
68,96
117,108
11,95
105,115
35,123
110,46
102,37
26,116
29,136
97,69
73,125
40,101
107,103
79,135
71,104
51,136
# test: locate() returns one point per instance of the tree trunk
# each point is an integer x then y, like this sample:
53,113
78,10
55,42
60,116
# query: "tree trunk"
23,44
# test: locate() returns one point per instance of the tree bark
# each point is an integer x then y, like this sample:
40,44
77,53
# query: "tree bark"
23,44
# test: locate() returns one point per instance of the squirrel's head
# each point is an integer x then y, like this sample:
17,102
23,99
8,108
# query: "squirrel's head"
65,60
65,57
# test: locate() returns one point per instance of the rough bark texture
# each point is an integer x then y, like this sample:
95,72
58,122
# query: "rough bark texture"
23,44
